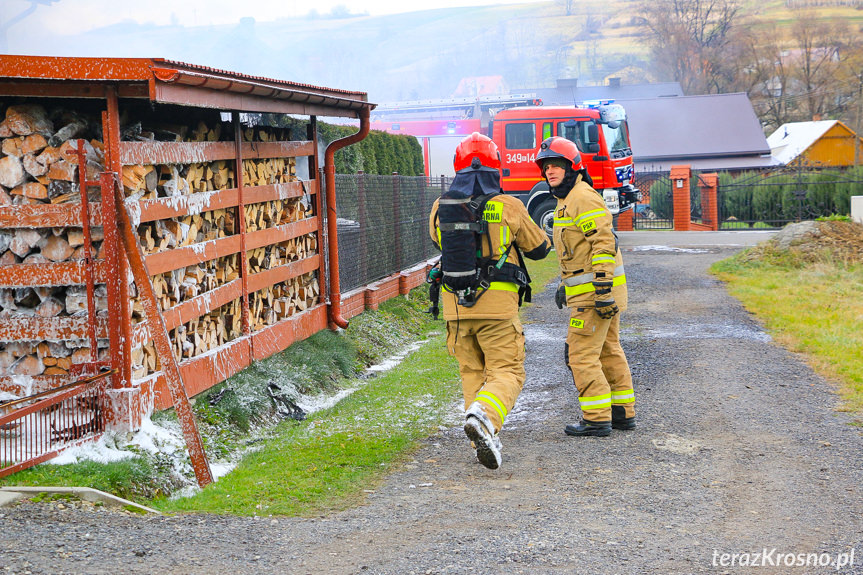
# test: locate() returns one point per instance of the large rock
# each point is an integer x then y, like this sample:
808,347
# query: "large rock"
796,233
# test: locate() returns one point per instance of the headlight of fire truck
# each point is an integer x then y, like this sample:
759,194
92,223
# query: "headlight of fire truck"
624,174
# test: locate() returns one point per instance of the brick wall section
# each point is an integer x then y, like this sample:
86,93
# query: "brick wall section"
708,184
371,296
680,176
413,278
624,221
353,303
381,291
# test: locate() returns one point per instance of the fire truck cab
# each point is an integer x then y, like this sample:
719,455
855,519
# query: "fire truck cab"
598,129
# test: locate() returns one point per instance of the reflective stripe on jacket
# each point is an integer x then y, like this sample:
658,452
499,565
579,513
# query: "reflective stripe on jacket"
586,246
508,222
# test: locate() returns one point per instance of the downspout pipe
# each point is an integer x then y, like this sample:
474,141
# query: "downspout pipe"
335,310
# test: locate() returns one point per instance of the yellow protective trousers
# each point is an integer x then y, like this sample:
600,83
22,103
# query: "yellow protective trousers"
490,354
598,365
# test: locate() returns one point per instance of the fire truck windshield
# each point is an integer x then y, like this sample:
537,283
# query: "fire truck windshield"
617,137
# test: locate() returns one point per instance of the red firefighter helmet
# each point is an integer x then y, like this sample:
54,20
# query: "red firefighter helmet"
558,147
476,149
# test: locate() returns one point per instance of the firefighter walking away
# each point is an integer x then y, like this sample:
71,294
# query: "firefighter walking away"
483,236
593,287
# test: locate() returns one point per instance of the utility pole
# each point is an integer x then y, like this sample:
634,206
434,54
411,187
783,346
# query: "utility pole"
857,135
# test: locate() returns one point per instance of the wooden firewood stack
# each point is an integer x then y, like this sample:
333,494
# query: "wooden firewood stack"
176,287
38,167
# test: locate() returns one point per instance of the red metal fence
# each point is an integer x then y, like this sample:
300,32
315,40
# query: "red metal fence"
38,427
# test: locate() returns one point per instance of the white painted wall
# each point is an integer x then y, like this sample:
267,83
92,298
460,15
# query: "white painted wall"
857,208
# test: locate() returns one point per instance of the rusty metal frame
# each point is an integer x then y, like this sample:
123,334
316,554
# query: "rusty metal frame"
172,82
88,248
240,221
111,186
9,422
119,318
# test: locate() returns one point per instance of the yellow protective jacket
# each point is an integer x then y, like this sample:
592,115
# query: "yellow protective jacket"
586,246
508,222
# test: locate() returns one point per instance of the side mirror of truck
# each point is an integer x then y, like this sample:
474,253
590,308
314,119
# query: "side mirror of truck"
592,133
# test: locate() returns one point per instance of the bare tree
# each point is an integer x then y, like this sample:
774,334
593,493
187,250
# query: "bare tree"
813,72
823,51
764,75
690,41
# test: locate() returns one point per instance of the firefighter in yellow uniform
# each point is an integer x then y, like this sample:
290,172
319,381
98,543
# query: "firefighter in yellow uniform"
483,329
593,286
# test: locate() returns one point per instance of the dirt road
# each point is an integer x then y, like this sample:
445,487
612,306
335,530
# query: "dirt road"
739,450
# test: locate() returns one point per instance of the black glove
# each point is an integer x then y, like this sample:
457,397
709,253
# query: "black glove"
560,296
604,303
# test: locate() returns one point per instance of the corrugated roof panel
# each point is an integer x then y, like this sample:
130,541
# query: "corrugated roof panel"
716,125
192,85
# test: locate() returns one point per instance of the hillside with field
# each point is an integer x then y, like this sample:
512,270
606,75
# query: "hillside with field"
424,54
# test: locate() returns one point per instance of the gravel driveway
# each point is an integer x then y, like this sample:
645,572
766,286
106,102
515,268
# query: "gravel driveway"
739,450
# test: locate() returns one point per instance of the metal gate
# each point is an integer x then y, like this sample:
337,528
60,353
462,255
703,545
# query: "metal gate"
656,210
789,194
36,428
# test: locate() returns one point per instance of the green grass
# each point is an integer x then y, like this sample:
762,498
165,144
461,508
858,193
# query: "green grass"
732,225
327,462
133,478
815,308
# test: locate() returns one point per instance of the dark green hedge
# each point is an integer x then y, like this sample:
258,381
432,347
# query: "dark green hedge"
773,198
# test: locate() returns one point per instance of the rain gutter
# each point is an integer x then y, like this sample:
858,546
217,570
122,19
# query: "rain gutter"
335,309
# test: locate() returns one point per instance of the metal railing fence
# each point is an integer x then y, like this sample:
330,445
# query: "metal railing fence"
36,428
383,225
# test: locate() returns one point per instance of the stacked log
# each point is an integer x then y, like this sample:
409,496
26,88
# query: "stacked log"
272,171
194,338
273,304
38,166
178,286
172,288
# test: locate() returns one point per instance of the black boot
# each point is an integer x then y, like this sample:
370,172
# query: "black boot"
619,419
589,428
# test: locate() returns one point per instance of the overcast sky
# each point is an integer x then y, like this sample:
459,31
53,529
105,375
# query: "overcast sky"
69,16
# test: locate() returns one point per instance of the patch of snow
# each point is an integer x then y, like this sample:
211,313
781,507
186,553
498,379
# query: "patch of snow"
536,332
317,403
393,361
706,331
105,450
157,439
112,446
659,248
219,470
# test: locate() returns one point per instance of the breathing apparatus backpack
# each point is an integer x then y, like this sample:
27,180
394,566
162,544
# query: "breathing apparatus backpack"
463,221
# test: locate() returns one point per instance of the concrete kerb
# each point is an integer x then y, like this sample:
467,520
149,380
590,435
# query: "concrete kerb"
11,494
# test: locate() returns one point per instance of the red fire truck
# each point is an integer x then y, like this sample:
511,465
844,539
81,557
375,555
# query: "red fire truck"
599,129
